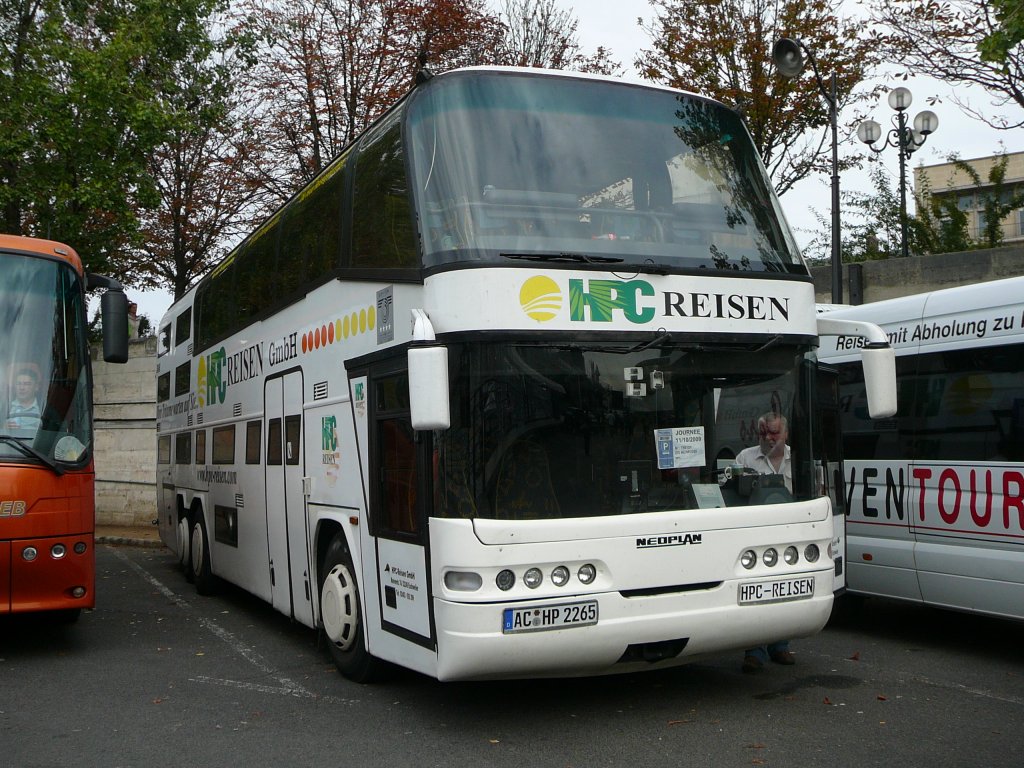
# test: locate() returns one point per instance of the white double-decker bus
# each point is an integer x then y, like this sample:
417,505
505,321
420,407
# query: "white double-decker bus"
935,496
464,402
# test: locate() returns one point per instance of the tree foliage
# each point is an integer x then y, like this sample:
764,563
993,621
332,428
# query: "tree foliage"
537,33
327,68
946,39
80,89
1009,32
205,193
722,49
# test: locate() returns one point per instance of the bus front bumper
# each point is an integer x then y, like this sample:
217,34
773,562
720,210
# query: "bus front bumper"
630,633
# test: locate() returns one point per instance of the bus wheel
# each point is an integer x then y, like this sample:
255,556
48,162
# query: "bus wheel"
199,561
341,616
184,559
67,615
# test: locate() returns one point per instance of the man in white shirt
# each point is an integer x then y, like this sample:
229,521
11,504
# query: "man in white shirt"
23,414
769,457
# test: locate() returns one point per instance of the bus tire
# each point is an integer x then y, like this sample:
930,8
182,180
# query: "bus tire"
67,615
199,560
184,557
341,617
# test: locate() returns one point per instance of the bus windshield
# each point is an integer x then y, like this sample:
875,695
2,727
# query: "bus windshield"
564,430
44,392
556,168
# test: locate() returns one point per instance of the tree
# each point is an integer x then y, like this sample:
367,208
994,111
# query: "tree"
79,104
996,45
328,68
539,34
871,224
941,39
721,48
939,225
206,197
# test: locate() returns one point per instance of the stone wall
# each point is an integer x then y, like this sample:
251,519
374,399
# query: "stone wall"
891,278
125,425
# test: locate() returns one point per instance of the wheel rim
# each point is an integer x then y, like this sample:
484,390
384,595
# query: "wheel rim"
183,541
197,548
338,607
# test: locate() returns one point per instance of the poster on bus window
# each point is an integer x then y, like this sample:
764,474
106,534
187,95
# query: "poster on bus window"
679,447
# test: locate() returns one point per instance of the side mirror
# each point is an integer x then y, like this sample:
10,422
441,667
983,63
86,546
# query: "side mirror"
428,387
877,357
880,380
114,311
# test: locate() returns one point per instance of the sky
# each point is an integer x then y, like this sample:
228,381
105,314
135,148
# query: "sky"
613,24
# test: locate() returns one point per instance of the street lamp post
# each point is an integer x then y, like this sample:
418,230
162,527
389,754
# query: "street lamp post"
904,138
788,57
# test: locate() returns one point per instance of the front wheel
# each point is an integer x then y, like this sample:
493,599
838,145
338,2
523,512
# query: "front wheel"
341,615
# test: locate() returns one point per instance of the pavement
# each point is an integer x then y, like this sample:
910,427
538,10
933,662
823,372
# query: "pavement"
129,535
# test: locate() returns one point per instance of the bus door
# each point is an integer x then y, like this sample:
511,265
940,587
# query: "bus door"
287,537
829,451
396,558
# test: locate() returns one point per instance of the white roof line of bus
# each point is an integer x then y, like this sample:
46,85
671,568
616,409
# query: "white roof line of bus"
1012,286
626,79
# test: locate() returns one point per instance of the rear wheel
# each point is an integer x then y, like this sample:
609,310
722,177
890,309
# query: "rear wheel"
199,549
183,535
341,615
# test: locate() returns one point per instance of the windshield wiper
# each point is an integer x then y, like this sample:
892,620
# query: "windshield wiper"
583,258
30,452
657,341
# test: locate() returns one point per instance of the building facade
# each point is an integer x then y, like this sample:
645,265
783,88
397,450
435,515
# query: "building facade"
949,181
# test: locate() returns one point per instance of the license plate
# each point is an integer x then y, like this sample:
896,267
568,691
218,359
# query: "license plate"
753,592
544,617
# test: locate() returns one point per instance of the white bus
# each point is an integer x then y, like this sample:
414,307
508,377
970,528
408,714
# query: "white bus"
935,495
462,402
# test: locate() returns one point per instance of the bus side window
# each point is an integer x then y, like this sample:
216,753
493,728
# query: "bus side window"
382,219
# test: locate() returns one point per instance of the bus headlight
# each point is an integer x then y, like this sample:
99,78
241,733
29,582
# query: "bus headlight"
560,576
30,553
57,551
80,547
533,577
587,573
748,559
811,553
505,580
791,555
770,556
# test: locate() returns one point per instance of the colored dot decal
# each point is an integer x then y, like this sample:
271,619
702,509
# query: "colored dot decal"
337,329
345,327
305,346
371,317
362,321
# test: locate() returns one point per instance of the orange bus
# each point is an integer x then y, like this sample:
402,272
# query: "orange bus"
47,512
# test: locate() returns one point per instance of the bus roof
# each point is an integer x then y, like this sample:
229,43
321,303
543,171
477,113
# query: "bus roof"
35,245
979,314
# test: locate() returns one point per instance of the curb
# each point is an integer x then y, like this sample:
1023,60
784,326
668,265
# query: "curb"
128,541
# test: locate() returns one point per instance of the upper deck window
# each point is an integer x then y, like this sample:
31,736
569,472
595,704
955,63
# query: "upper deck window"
520,165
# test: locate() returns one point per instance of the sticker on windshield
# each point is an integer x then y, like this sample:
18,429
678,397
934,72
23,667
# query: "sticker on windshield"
679,447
